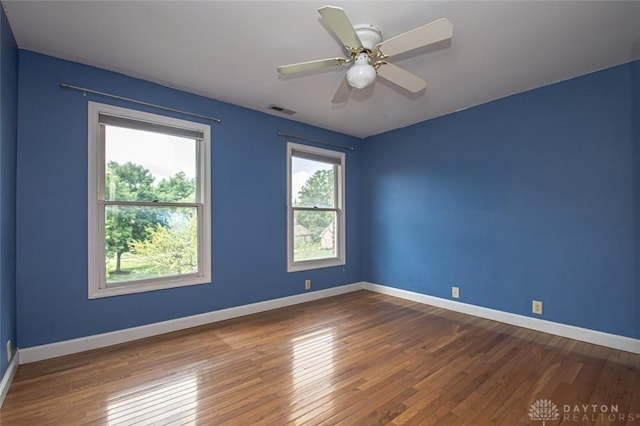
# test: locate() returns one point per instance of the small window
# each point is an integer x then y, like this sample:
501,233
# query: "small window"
149,204
315,197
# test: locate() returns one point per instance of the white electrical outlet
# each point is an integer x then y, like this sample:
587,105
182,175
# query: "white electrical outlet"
455,292
307,284
8,350
536,307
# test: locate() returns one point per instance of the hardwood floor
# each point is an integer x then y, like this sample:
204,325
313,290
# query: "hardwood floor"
356,359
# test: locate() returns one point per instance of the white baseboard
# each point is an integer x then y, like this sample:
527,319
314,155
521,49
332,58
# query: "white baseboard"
66,347
583,334
52,350
7,379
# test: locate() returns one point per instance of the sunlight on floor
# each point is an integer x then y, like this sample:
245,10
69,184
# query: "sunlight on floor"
154,402
312,364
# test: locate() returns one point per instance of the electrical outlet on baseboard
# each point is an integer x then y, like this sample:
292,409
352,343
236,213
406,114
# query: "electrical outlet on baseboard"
455,292
536,307
8,350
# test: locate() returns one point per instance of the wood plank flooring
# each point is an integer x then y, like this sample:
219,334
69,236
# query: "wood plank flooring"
356,359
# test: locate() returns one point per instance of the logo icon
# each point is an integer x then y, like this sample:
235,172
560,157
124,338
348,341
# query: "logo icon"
544,409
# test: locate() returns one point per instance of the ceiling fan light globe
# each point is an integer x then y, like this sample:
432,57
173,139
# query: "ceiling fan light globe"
360,76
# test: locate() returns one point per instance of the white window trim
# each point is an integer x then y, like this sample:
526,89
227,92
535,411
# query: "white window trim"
341,258
96,247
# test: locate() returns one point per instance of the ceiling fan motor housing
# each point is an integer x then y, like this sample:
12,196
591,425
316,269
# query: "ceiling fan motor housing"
369,34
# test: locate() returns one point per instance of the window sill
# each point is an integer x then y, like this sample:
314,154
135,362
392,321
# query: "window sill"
315,264
119,290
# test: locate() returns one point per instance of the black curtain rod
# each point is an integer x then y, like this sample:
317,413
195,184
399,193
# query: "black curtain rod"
287,135
84,90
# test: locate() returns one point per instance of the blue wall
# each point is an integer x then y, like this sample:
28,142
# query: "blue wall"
534,196
248,216
8,139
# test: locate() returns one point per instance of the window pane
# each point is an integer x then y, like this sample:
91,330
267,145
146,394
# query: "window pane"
150,242
147,166
312,183
314,235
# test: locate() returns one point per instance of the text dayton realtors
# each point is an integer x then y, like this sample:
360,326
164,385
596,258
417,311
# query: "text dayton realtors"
596,412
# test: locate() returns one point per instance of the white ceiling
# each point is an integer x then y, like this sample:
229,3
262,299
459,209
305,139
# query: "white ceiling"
229,50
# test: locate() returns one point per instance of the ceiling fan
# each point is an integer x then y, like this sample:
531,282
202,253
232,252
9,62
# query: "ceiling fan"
368,53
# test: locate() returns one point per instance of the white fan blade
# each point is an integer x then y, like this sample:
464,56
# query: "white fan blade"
339,23
342,94
311,65
425,35
402,78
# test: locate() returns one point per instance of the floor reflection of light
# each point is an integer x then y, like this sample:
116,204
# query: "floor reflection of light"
155,402
312,364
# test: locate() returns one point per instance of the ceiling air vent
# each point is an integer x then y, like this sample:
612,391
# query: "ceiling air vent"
281,110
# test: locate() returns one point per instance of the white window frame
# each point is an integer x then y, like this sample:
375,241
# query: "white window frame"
340,259
96,205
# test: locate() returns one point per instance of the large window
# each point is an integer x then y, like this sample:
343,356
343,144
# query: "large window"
149,203
315,208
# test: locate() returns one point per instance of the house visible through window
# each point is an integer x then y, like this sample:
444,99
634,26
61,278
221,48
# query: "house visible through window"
316,207
149,209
